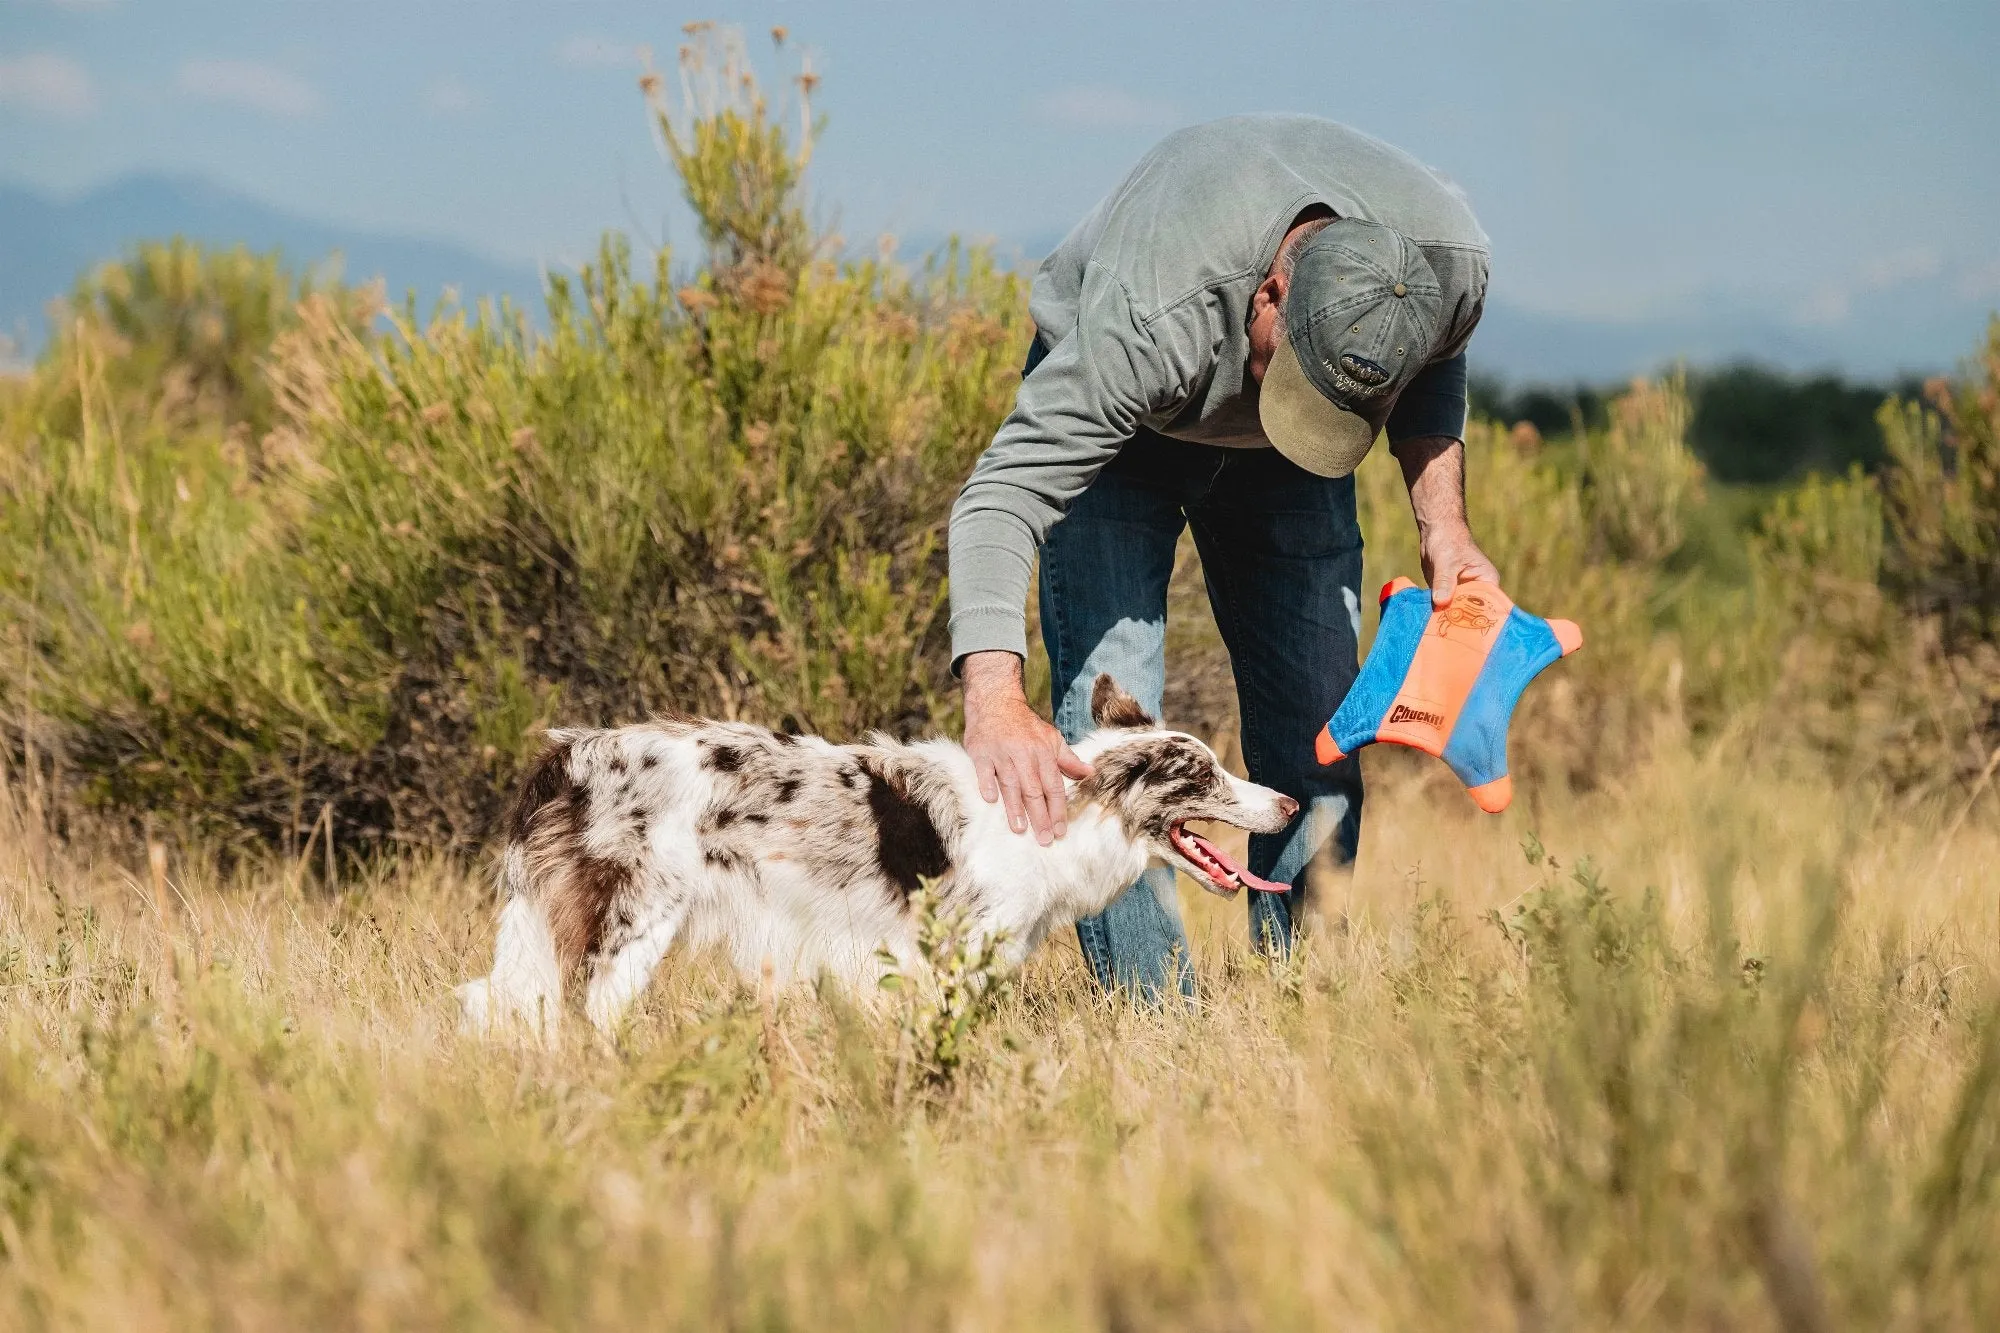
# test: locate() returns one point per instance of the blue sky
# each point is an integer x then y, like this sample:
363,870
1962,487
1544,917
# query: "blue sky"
1806,161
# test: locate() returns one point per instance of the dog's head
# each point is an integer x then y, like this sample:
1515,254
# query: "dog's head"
1157,781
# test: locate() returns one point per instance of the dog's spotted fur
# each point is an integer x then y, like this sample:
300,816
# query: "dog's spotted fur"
800,857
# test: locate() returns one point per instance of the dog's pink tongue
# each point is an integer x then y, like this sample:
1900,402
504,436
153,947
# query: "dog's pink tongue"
1243,877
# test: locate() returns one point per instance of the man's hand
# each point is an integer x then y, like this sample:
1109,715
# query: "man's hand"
1450,557
1434,470
1017,756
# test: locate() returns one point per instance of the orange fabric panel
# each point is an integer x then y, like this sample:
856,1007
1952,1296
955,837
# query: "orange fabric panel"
1448,662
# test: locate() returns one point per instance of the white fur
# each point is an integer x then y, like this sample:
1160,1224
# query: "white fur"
525,985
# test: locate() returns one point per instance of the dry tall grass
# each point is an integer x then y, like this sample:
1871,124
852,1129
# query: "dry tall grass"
1752,1084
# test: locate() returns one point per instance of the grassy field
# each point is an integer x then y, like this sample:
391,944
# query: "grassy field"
1709,1050
1702,1034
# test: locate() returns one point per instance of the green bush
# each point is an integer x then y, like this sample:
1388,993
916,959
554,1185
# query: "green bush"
1943,497
1860,633
147,609
725,495
1639,475
1759,425
180,334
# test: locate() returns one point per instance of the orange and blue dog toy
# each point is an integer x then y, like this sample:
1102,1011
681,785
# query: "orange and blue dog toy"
1446,682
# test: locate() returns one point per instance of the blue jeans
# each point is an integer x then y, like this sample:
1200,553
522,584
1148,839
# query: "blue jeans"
1281,551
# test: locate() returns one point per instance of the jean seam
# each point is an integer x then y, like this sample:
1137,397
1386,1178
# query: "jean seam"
1253,744
1243,701
1098,957
1054,603
1093,936
1221,462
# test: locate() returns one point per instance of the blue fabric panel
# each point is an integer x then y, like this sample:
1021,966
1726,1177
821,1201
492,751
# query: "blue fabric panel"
1477,748
1404,618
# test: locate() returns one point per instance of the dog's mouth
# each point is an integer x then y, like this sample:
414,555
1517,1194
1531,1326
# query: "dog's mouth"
1223,874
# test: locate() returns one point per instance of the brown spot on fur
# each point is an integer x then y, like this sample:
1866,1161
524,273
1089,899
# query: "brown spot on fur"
648,760
1179,768
547,780
722,758
575,890
1144,780
576,915
907,842
1110,706
579,810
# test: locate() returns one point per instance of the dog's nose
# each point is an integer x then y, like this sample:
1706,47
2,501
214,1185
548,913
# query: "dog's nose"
1287,806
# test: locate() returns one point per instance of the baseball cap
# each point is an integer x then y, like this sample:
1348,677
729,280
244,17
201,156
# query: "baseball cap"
1361,316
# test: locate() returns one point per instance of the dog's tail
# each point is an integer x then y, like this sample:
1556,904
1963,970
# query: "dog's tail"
526,985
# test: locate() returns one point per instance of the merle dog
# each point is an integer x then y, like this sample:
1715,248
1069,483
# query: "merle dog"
800,857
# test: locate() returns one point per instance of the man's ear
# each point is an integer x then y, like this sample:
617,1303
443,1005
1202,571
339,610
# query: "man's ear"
1270,292
1112,707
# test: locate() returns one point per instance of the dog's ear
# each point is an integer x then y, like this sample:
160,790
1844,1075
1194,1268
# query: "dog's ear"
1112,707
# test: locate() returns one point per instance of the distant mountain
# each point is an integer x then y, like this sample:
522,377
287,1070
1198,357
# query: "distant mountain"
1919,327
45,243
1922,323
1524,346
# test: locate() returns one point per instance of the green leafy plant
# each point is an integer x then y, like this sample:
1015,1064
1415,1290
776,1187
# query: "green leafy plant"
1640,473
1942,496
724,494
956,991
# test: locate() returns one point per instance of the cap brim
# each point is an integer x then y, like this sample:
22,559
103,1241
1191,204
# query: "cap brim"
1304,426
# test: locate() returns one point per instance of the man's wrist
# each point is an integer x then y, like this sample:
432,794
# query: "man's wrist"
994,674
1433,527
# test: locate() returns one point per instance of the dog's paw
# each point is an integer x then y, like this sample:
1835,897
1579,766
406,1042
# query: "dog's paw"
475,1007
485,1012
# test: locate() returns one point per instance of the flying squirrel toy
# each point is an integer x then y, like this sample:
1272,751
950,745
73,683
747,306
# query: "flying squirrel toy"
1445,681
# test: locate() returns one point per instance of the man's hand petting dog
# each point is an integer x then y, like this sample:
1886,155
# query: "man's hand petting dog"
1018,757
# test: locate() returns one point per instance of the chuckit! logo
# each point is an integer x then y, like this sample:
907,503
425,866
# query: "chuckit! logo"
1405,713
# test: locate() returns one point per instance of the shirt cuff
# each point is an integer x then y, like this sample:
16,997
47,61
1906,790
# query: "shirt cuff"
1415,418
1434,404
986,629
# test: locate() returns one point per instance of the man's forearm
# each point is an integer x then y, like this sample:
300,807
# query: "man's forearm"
1434,470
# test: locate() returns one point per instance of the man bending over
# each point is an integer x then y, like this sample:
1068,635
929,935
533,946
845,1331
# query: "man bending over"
1218,344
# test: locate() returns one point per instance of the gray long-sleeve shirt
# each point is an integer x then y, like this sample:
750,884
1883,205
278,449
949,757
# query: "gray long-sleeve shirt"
1144,309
